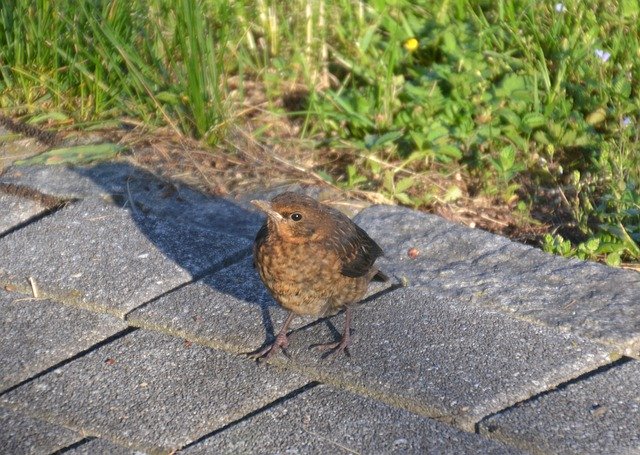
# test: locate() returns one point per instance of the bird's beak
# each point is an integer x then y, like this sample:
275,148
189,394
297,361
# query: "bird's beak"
265,206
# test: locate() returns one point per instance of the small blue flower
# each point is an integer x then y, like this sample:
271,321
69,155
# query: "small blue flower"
602,55
626,121
560,8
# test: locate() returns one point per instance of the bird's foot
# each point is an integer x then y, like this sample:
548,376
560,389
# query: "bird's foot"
331,349
280,343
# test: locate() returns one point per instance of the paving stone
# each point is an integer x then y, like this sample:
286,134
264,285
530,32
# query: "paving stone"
592,300
15,210
37,334
443,358
230,309
126,184
101,257
100,446
327,420
436,356
25,435
597,415
152,392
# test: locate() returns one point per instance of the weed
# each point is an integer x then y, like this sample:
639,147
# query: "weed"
500,93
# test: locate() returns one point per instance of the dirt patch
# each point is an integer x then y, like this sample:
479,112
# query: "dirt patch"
263,150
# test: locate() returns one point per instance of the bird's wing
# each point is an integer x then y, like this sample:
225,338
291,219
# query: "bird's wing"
261,236
359,252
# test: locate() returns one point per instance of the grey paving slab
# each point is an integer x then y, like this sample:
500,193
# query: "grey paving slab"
230,309
99,446
102,257
15,210
592,300
129,186
598,415
436,356
328,420
38,334
152,392
21,434
445,359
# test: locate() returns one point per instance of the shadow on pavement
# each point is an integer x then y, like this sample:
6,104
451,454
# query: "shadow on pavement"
148,198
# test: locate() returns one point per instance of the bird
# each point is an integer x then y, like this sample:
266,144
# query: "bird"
314,261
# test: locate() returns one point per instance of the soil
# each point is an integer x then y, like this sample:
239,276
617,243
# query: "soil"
262,151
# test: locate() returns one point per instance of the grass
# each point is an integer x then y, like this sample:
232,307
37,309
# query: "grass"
533,105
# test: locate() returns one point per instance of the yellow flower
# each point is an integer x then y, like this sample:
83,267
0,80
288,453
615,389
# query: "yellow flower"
411,44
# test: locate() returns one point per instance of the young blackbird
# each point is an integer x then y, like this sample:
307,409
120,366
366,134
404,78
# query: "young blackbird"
313,260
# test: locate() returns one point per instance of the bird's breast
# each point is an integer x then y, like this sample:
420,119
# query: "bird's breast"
306,278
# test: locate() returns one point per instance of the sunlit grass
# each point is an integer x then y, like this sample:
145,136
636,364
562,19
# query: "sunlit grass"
497,92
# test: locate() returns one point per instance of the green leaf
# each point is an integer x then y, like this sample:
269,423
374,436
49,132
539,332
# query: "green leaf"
596,116
511,83
372,140
453,194
325,176
81,154
534,120
404,198
507,158
168,97
55,116
448,151
613,259
541,137
404,184
592,244
387,183
509,116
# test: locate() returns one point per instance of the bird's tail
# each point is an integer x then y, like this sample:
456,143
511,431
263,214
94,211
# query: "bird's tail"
380,276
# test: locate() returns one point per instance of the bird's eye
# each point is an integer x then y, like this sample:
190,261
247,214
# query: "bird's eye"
296,216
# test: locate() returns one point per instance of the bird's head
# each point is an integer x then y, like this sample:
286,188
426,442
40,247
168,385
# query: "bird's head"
296,218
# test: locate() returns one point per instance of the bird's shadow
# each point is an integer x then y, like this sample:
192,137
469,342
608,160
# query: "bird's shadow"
189,212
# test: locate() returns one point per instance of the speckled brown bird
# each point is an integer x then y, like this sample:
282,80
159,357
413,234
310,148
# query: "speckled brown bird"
314,261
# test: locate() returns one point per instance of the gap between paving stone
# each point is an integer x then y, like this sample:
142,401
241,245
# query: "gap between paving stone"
22,434
42,205
599,414
147,390
330,420
70,448
26,192
476,262
283,399
458,420
145,256
141,191
229,262
38,333
70,359
560,387
231,310
300,323
589,299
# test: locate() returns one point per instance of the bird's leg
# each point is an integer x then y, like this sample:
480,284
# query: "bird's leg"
281,342
343,344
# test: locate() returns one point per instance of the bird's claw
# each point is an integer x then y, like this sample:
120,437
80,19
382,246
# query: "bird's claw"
332,349
281,343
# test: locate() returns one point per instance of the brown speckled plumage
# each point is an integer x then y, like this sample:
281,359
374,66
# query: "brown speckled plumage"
313,260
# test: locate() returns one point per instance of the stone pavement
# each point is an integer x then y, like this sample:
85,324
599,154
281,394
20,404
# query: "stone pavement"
128,304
